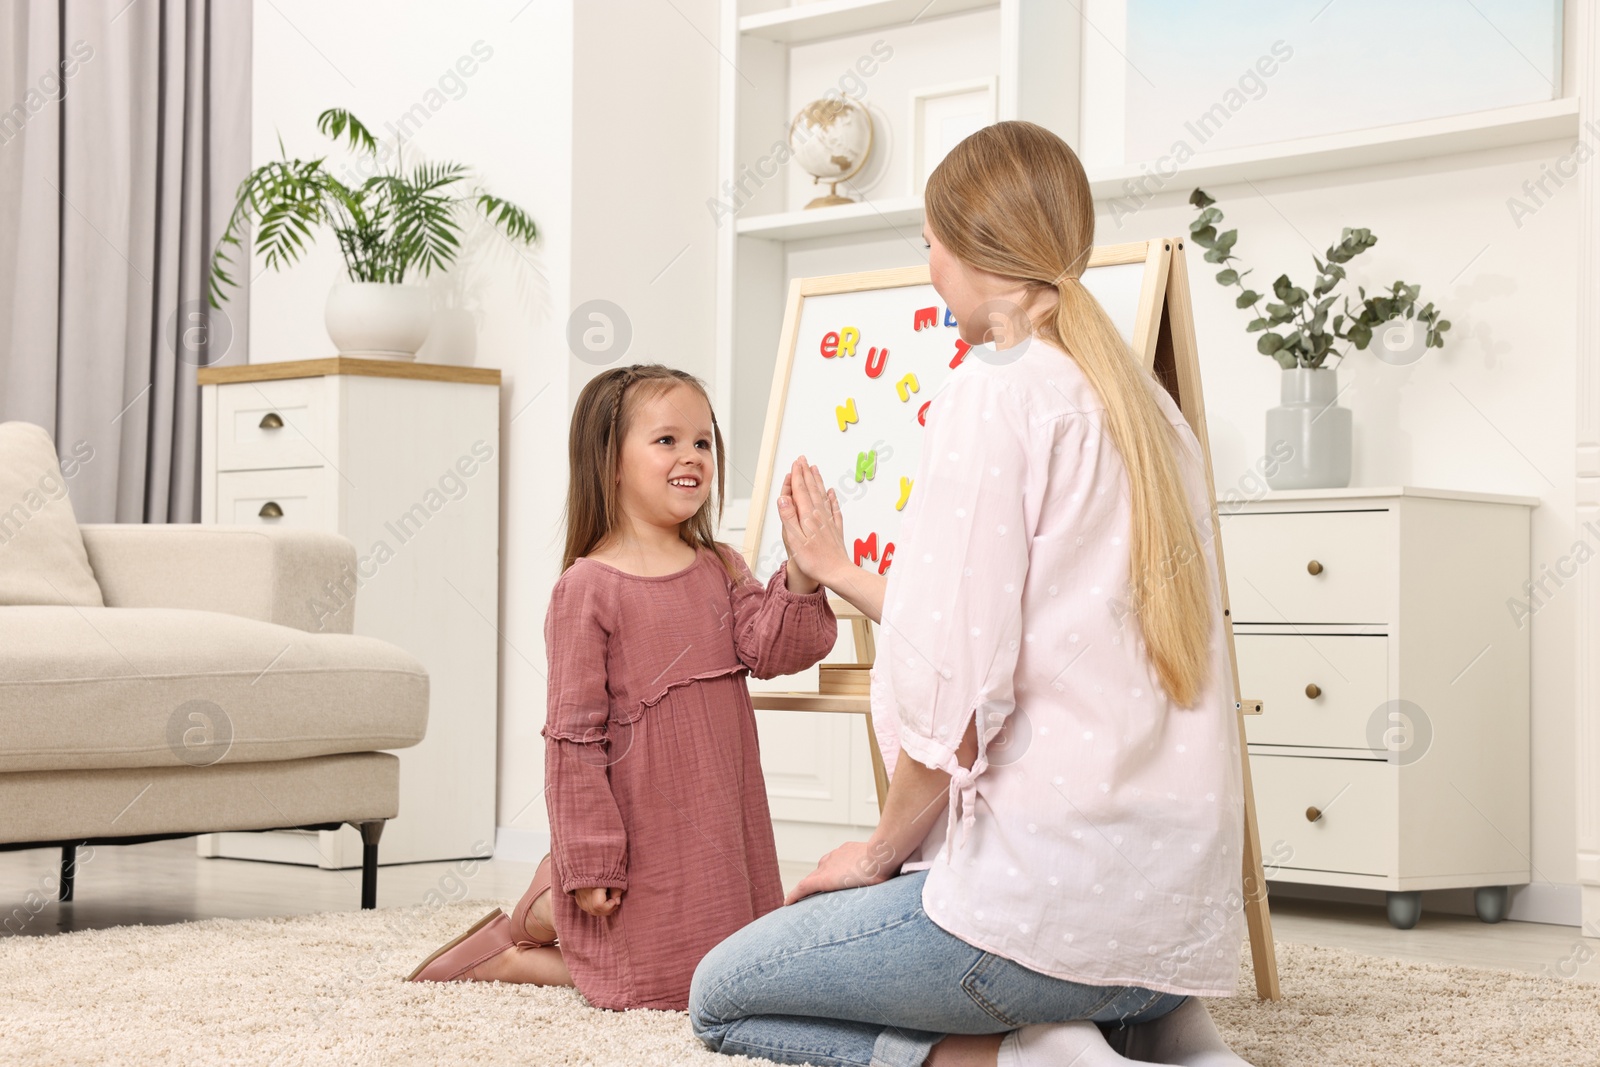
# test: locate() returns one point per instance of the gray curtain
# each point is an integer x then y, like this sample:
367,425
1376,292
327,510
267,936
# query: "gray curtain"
124,130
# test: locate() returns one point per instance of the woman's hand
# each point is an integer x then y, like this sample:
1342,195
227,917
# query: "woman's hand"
813,527
852,864
599,901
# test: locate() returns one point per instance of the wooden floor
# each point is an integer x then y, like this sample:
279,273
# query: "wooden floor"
165,882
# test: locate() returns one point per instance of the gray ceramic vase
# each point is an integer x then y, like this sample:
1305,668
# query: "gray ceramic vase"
1312,428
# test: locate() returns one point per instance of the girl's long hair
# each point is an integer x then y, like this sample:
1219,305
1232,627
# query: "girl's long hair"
600,421
1012,199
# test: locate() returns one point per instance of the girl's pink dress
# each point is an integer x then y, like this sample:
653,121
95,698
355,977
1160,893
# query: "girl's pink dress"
652,768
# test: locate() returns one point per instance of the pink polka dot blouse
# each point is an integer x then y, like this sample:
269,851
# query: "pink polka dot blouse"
1097,836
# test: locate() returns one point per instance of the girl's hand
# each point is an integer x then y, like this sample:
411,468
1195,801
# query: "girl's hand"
813,527
852,864
599,901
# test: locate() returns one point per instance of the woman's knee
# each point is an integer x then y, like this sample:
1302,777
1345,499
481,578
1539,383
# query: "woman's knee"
708,1008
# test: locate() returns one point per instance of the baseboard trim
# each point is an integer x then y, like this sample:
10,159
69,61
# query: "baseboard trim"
1557,905
520,846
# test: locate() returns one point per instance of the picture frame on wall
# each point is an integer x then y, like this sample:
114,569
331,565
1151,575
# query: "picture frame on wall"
942,116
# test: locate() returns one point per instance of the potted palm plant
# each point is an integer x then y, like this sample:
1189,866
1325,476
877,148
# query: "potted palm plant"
1308,425
392,227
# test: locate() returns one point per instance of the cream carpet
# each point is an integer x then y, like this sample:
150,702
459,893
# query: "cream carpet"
328,989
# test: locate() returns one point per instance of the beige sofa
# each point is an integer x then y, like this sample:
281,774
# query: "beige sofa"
214,690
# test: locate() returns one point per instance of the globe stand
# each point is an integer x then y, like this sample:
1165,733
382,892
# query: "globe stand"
833,199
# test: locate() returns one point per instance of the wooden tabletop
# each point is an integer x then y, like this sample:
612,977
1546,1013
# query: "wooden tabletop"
370,368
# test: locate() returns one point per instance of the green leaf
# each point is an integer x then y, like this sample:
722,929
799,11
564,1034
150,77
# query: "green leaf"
1199,199
511,220
1257,324
1247,299
1268,343
336,122
1227,277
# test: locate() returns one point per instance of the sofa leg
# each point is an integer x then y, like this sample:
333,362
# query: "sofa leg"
370,832
69,868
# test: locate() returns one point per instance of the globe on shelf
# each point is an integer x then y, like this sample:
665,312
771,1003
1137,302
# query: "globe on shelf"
831,139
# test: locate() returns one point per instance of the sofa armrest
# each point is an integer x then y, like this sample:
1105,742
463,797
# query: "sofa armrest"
300,578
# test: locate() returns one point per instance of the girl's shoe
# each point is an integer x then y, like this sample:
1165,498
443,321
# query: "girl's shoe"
523,921
485,939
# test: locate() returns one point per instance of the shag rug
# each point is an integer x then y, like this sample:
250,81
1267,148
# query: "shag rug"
328,989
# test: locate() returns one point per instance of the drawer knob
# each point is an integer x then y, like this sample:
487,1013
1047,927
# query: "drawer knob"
270,510
1313,690
1313,814
1314,567
272,421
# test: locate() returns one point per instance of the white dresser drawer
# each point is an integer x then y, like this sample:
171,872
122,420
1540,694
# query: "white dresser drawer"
1348,673
267,425
1311,567
1357,802
301,494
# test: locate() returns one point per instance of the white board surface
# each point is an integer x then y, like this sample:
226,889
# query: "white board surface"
885,439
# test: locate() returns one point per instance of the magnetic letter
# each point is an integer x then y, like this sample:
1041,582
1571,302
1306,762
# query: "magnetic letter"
866,465
867,549
923,318
846,414
901,387
922,413
830,345
905,493
847,340
876,358
949,319
961,353
888,557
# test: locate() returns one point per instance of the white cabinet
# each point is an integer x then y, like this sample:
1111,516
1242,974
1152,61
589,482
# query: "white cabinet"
403,459
1376,625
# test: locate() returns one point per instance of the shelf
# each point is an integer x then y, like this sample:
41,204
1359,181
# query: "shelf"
1368,492
895,212
852,703
1471,132
821,19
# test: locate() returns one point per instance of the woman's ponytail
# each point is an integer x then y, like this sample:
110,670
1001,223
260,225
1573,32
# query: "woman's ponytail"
1169,582
1013,200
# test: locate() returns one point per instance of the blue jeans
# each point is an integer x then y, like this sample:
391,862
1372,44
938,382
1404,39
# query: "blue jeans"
863,977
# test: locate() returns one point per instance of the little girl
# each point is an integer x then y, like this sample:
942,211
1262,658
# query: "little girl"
661,839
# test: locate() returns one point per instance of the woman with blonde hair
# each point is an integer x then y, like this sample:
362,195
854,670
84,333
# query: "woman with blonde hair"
1052,657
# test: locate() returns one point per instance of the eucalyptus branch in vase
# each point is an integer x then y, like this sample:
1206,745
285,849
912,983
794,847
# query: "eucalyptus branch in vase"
1295,327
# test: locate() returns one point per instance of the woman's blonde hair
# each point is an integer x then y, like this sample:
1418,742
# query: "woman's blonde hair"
1013,200
600,422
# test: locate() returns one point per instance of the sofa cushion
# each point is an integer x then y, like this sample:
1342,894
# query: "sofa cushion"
163,687
42,560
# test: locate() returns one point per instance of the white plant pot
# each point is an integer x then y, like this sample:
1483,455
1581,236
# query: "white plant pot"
379,320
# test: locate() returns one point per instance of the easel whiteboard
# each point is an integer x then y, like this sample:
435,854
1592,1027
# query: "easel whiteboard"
891,322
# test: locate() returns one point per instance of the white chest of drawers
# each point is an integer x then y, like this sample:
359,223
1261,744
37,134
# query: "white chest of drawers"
403,459
1380,628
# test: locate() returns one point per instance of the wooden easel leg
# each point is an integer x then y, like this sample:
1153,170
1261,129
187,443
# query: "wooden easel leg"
1263,956
880,776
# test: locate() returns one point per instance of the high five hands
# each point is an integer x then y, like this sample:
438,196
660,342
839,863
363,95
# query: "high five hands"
813,528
